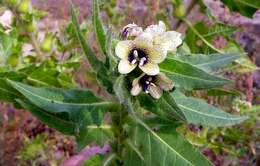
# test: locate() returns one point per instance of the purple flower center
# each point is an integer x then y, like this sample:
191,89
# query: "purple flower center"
137,56
146,81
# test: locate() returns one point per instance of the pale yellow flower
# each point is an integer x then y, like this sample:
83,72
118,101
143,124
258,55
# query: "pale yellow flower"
170,40
153,85
147,50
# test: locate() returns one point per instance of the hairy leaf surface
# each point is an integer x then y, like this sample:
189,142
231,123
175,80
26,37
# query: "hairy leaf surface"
198,111
82,105
189,76
98,26
165,148
209,62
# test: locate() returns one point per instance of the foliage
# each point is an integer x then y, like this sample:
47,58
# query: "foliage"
140,130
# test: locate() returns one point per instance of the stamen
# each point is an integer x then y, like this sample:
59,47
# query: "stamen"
150,79
133,61
135,53
152,84
147,91
142,61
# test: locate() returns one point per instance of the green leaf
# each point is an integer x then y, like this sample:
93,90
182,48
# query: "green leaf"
120,89
209,62
56,121
194,33
223,92
104,78
251,3
189,76
198,111
244,65
244,7
7,92
7,42
111,61
82,105
44,76
165,107
92,59
94,134
123,95
218,29
95,160
98,26
165,148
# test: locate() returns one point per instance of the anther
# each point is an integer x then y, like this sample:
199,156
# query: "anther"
135,53
133,61
143,59
153,84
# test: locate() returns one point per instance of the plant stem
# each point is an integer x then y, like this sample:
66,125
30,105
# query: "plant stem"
109,159
117,145
201,37
30,35
35,46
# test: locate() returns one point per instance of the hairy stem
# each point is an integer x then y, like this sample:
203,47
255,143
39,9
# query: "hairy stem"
201,37
118,120
35,46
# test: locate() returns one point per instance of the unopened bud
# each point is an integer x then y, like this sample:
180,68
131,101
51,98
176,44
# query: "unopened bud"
131,30
30,26
46,45
179,11
25,6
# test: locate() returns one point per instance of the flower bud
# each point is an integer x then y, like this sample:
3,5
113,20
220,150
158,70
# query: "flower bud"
13,60
131,30
30,26
179,11
25,6
46,45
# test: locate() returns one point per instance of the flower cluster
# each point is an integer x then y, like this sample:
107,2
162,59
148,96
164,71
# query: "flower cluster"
146,50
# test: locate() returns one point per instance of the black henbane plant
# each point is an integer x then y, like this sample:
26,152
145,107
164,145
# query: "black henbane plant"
147,102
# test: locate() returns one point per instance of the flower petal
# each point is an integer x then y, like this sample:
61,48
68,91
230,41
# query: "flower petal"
157,54
145,40
137,88
123,48
164,82
170,40
6,19
125,67
156,29
150,68
155,91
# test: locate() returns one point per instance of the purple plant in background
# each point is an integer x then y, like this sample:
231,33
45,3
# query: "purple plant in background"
60,9
250,25
85,154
